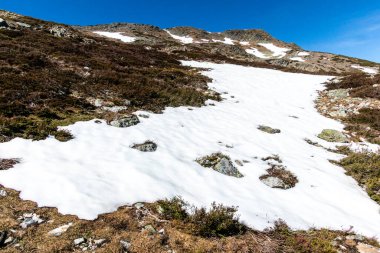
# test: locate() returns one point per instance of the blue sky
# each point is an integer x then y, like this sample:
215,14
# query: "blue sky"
349,27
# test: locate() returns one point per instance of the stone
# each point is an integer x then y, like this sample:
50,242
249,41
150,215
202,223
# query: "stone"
29,219
79,241
268,129
60,230
238,162
147,146
6,164
220,163
338,93
3,193
139,205
3,238
61,32
273,182
365,248
332,135
151,230
125,121
99,242
125,245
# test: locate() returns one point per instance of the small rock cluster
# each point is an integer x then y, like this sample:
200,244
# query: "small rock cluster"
29,219
89,244
148,146
353,243
125,121
220,163
268,129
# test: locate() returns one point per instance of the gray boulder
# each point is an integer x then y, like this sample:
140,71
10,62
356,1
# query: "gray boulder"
148,146
220,163
274,182
3,23
125,121
269,130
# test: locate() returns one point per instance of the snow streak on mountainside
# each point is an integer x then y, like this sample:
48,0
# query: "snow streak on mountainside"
98,171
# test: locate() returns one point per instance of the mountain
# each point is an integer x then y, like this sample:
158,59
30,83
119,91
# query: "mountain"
118,137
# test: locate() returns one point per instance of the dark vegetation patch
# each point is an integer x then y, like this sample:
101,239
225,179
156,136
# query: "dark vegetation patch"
364,168
40,74
217,221
286,178
6,164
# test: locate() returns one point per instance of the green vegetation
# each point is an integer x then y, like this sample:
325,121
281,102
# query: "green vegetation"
218,221
364,168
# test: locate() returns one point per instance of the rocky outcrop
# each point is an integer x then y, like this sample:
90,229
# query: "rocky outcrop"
125,121
220,163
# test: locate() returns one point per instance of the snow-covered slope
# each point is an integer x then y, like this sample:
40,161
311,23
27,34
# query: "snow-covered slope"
98,171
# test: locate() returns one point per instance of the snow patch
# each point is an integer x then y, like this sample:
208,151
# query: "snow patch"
182,39
244,43
116,35
256,52
303,54
98,171
278,52
367,70
226,40
297,59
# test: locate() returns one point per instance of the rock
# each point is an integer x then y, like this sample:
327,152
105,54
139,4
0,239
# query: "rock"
273,182
125,121
150,229
268,129
23,25
29,219
60,31
147,146
114,108
125,245
365,248
3,238
220,163
139,205
79,241
60,230
238,162
332,135
99,242
3,23
338,93
145,116
3,193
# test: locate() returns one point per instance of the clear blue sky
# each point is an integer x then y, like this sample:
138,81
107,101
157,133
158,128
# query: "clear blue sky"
350,27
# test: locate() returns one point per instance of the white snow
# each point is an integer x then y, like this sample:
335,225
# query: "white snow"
226,40
367,70
98,171
297,59
244,43
182,39
303,54
278,52
116,35
256,53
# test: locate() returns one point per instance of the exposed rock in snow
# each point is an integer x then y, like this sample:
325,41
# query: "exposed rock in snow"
125,121
117,35
220,163
148,146
273,182
269,130
6,164
29,219
279,177
60,230
332,135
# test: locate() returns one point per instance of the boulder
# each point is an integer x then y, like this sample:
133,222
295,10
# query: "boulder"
269,130
278,177
273,182
220,163
3,23
125,121
332,135
148,146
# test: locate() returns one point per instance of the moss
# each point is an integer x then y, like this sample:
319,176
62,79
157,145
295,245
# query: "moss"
63,135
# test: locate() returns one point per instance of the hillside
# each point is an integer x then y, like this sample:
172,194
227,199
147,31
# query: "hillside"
119,138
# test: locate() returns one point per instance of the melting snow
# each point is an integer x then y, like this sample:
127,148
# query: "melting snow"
226,40
256,53
117,35
366,69
183,39
244,43
277,51
98,171
297,59
303,54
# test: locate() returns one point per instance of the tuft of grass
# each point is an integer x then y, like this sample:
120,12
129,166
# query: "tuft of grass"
63,135
174,208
